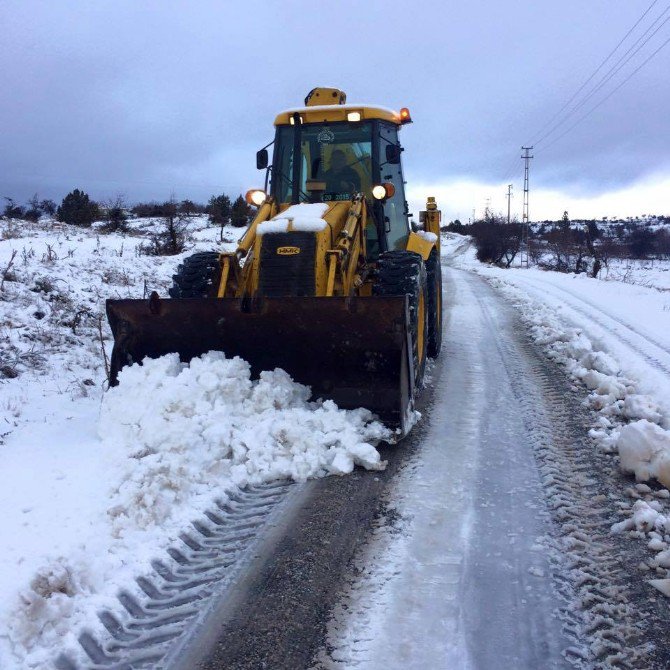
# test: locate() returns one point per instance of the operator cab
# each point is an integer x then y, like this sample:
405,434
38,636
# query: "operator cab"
343,150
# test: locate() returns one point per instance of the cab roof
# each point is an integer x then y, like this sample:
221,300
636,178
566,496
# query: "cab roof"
333,113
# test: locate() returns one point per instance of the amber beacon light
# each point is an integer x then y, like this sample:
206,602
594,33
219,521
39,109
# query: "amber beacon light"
405,116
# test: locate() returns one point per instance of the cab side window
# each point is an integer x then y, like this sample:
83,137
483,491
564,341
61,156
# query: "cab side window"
395,208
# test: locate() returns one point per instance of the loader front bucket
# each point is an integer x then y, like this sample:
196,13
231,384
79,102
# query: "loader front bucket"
354,350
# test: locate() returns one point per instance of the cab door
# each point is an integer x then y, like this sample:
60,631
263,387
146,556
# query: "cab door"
395,213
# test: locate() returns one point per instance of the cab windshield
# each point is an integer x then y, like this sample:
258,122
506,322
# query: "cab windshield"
334,162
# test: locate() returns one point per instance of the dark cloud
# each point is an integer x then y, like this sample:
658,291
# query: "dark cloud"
149,98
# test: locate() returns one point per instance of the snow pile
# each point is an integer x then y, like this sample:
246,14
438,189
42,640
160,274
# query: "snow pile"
644,450
629,422
173,439
208,424
304,217
46,605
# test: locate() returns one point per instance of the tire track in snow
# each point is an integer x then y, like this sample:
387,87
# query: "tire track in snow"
587,308
618,320
588,566
473,368
163,606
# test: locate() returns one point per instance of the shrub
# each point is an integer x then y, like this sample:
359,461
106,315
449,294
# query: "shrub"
49,207
496,240
190,208
171,239
33,210
641,242
12,210
78,209
240,213
115,216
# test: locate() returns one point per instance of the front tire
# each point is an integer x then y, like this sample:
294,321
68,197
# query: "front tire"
404,273
434,281
198,276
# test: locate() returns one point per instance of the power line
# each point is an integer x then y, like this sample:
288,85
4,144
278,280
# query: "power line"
618,65
595,72
526,192
509,201
511,169
615,69
608,96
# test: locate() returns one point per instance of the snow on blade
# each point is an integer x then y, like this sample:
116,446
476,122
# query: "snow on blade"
426,235
173,437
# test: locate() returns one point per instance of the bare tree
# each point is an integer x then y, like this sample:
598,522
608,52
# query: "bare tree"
34,210
171,239
116,220
496,240
48,207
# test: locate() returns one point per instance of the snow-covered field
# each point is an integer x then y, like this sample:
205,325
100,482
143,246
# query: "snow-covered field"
95,483
613,336
647,273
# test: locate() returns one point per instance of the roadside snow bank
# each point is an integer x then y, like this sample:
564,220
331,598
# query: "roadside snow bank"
632,413
644,450
173,439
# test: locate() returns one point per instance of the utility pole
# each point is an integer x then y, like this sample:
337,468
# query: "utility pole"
526,190
509,202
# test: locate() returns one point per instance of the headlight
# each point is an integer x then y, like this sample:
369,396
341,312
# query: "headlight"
255,197
383,191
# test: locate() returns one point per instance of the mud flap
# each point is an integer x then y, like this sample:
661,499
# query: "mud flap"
355,351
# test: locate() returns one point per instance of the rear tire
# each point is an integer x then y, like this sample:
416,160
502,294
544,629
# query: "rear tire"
404,273
198,276
434,280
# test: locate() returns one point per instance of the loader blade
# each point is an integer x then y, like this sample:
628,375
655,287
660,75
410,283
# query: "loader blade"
354,351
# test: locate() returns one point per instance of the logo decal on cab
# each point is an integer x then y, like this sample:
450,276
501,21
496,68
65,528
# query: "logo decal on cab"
288,251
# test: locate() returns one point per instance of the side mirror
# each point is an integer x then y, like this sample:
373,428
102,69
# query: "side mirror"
262,159
393,154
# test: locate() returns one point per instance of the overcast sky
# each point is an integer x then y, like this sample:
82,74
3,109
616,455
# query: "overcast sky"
146,98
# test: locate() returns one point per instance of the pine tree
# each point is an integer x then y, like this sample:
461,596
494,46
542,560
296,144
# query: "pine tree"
240,213
78,209
219,209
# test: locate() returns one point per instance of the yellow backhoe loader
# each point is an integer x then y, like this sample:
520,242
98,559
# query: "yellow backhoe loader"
328,282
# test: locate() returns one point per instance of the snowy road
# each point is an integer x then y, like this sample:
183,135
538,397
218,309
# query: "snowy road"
498,510
473,586
485,544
